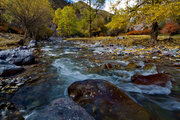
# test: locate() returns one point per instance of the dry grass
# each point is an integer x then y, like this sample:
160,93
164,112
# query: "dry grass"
132,40
8,41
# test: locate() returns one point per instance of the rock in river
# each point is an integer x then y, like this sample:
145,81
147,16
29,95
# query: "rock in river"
7,69
105,101
18,56
159,79
32,43
61,109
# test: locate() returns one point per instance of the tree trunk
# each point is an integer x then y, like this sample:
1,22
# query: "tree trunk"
90,19
90,27
154,32
25,34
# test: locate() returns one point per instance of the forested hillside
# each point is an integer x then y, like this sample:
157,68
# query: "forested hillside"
99,18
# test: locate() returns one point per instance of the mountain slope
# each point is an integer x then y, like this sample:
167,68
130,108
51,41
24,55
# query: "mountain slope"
81,6
58,3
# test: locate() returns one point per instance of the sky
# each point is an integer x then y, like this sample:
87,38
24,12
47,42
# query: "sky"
108,4
122,5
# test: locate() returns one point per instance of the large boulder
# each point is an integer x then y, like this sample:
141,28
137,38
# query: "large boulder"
7,69
61,109
105,101
159,79
18,56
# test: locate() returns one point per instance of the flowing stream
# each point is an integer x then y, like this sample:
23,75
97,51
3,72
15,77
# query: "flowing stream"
68,62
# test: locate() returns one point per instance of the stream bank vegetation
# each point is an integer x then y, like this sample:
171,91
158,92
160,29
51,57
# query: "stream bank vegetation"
132,40
33,17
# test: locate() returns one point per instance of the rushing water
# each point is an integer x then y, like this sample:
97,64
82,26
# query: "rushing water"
69,63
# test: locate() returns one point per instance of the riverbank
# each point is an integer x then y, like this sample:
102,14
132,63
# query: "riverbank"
132,40
60,63
9,41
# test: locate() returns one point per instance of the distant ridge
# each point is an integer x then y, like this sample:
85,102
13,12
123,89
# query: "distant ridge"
80,6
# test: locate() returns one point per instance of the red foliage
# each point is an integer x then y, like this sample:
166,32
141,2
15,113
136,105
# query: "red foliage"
19,31
102,34
170,28
6,28
142,32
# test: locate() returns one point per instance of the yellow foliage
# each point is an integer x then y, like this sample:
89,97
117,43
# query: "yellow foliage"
66,20
32,15
148,11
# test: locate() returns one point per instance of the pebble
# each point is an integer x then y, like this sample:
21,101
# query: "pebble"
155,57
11,85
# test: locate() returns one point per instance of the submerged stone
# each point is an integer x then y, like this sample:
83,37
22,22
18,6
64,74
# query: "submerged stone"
132,66
14,115
7,69
105,101
149,67
61,109
114,65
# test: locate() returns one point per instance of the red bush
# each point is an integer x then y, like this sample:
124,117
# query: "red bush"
4,28
17,30
170,28
143,32
8,29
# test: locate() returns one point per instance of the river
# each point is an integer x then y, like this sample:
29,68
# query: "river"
67,61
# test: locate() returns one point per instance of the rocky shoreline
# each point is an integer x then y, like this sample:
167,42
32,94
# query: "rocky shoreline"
12,63
90,100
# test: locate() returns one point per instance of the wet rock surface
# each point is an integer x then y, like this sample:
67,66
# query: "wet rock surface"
11,79
32,43
10,85
18,56
105,101
156,79
61,109
7,69
10,112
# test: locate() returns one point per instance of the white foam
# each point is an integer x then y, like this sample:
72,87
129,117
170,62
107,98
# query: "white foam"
52,54
27,116
71,72
122,62
146,89
168,104
46,48
68,52
123,74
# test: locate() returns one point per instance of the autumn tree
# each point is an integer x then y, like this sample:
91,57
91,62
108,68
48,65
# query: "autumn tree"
97,4
32,15
66,21
83,24
150,11
98,26
170,28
